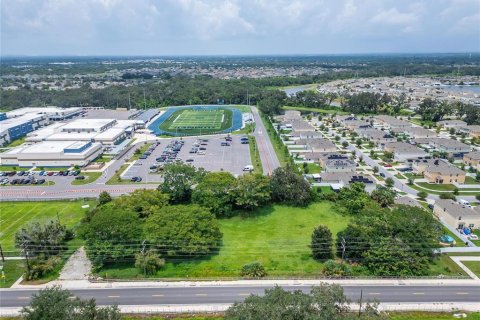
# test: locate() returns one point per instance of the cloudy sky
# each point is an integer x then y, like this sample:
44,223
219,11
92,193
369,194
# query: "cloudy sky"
185,27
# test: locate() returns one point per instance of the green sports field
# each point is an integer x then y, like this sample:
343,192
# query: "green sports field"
202,121
15,215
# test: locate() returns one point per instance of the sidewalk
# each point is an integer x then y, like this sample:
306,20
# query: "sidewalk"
458,260
86,284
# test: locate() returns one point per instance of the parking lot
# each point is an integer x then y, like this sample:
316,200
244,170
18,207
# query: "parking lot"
29,177
232,157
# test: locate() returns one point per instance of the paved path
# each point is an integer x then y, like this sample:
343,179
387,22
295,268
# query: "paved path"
78,266
267,153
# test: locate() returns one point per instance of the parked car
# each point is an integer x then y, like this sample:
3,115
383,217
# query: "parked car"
136,179
225,144
21,173
382,174
80,178
248,168
189,160
143,157
51,173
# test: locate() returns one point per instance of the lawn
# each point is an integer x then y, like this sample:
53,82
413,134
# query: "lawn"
429,316
444,265
13,168
277,236
470,180
255,155
442,188
116,179
12,269
474,266
16,143
89,178
16,215
140,151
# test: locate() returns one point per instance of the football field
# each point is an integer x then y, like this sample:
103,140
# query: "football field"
199,119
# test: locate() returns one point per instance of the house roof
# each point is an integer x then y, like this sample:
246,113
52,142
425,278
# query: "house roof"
456,209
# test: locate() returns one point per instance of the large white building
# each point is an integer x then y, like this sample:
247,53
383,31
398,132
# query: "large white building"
51,112
108,132
52,154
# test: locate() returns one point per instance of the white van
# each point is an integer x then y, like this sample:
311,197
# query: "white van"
248,168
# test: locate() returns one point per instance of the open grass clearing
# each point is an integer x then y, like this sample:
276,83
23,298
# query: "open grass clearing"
16,215
277,236
89,178
474,266
12,269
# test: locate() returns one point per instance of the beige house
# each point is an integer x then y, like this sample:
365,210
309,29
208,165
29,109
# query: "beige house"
472,130
438,171
456,215
451,123
403,151
321,145
472,158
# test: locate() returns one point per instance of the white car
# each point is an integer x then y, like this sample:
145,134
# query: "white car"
202,153
473,237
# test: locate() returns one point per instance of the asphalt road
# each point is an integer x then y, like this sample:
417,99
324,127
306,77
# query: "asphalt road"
230,294
268,156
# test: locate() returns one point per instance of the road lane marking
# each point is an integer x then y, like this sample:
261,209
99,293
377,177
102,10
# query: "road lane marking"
23,298
113,296
418,293
201,294
461,292
158,295
374,293
244,294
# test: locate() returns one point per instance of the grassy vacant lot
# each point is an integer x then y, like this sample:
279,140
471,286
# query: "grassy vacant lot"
474,266
470,180
429,316
89,178
15,215
442,188
255,155
277,236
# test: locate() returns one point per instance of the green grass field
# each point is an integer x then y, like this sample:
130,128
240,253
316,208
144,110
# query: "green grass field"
474,266
89,178
278,237
188,121
15,215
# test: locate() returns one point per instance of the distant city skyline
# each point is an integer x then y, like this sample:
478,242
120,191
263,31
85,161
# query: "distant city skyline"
237,27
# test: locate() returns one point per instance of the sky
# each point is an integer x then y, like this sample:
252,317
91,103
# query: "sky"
237,27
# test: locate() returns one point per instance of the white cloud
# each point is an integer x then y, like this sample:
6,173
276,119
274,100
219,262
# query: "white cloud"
238,26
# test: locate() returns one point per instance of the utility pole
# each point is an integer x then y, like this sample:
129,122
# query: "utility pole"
144,262
343,248
360,304
1,254
25,251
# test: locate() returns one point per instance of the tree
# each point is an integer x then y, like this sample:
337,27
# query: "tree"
394,257
43,240
456,191
183,230
345,144
253,270
290,188
113,234
383,196
447,195
422,194
375,170
149,262
215,192
56,303
104,198
389,183
143,202
353,197
322,243
323,302
178,180
388,155
252,191
331,268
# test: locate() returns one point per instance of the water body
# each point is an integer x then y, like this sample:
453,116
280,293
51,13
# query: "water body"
293,90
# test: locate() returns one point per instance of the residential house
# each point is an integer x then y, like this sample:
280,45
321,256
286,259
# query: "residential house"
452,147
448,124
438,171
403,151
472,158
457,215
338,180
416,132
378,137
321,145
340,165
289,116
392,123
472,130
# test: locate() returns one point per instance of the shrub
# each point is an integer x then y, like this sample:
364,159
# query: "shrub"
41,266
332,268
447,196
149,263
253,270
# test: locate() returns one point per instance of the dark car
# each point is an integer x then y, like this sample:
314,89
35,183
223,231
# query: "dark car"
80,178
244,141
12,173
26,181
21,173
143,157
189,160
203,148
14,181
382,174
40,181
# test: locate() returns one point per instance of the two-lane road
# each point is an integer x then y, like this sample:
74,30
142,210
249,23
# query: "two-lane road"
268,156
230,294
